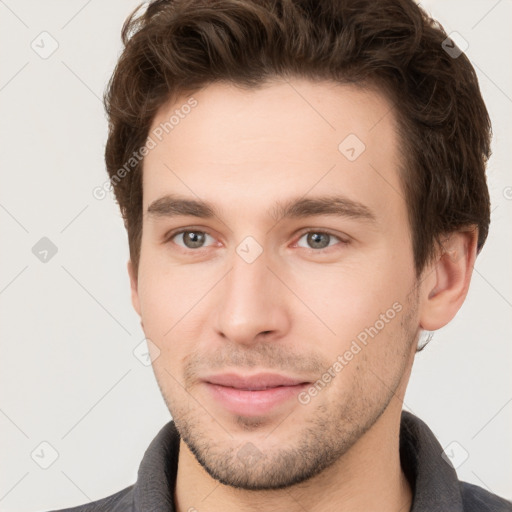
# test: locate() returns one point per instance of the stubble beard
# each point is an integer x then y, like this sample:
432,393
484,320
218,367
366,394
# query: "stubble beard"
317,442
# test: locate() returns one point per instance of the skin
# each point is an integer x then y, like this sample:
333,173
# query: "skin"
296,307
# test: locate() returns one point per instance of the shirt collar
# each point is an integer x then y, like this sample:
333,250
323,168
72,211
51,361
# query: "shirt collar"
433,480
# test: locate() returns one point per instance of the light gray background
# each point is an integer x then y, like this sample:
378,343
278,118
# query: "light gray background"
68,373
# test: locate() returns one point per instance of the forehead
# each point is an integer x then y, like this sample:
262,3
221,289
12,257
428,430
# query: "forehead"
281,140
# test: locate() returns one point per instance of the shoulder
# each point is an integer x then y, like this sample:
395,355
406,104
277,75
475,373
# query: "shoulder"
476,499
121,501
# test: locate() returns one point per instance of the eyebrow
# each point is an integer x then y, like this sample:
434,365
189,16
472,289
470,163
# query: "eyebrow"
172,205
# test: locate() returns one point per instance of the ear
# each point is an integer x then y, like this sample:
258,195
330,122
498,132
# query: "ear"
134,287
446,280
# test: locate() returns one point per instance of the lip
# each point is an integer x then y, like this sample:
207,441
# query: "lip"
253,395
257,382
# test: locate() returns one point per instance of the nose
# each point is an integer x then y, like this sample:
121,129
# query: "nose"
251,303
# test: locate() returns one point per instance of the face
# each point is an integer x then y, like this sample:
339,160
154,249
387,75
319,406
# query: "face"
276,279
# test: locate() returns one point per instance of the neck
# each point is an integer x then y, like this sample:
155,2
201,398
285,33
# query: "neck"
368,477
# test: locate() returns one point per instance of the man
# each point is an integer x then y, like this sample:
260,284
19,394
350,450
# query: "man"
303,186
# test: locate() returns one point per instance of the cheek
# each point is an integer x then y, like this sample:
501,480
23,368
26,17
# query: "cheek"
166,293
172,311
372,362
350,299
369,311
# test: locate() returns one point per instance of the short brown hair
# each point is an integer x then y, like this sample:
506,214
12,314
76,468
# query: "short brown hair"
181,46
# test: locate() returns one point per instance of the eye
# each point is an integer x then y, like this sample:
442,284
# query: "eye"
196,239
319,240
191,238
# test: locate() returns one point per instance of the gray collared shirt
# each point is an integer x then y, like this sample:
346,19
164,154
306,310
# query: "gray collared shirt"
434,482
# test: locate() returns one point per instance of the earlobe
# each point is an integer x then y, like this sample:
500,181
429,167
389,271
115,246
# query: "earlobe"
134,287
446,282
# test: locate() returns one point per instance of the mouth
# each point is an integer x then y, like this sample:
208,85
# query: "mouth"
253,395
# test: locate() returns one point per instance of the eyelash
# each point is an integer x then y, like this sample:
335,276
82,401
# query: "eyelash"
169,237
